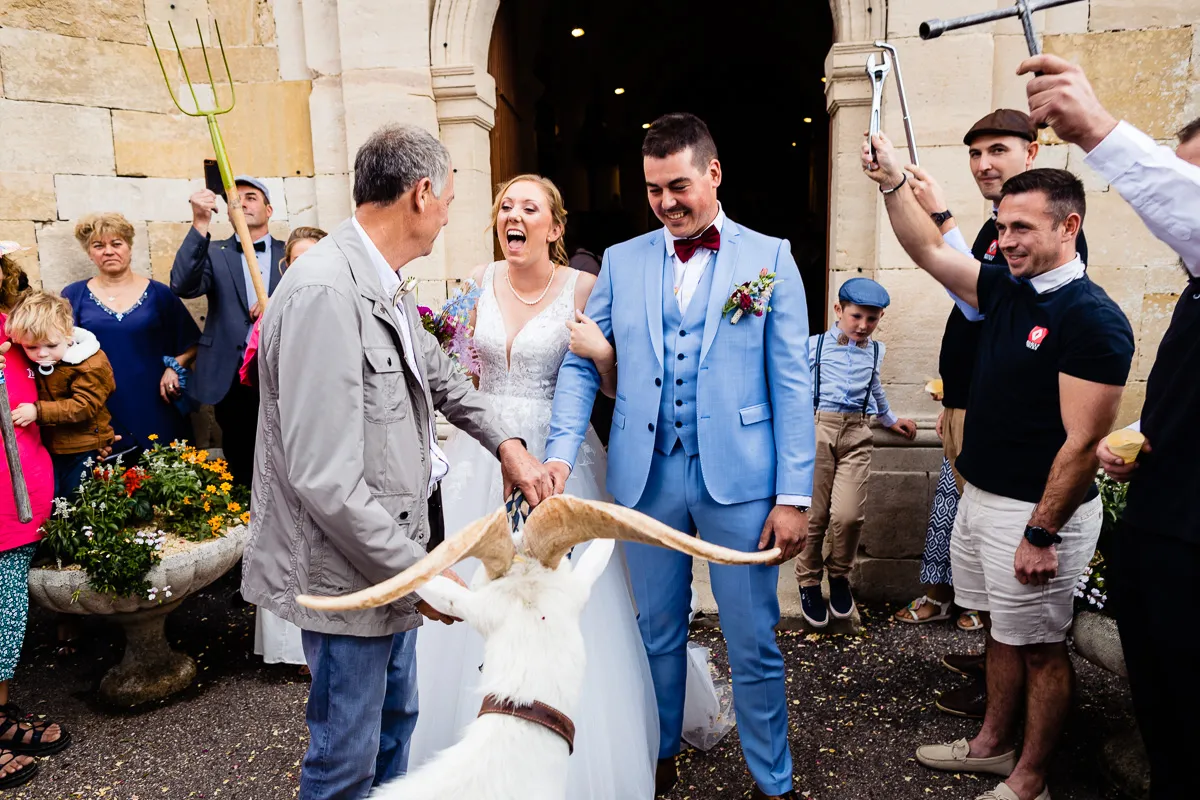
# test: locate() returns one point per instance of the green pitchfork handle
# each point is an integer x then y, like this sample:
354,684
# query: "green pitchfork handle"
235,214
20,490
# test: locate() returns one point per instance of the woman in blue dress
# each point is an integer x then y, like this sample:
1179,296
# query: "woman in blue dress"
145,330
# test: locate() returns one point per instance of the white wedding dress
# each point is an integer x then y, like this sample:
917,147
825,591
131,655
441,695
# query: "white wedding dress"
616,742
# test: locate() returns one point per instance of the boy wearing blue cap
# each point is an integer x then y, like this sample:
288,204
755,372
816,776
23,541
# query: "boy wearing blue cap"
845,364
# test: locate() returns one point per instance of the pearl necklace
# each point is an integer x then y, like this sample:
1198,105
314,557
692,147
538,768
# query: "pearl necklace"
540,297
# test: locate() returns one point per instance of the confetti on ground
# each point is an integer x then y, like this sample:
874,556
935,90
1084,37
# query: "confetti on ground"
858,707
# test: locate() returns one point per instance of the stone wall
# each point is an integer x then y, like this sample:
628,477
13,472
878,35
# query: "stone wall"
1144,61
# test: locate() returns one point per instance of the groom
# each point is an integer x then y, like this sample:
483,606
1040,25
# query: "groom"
712,431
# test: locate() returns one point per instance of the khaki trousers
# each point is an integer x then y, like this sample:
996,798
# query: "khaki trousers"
839,504
952,440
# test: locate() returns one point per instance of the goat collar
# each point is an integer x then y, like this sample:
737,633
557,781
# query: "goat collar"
538,713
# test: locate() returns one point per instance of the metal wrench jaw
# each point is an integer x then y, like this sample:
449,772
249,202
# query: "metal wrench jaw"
877,72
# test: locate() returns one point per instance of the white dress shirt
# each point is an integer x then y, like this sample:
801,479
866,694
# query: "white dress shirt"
439,465
687,275
264,269
1163,189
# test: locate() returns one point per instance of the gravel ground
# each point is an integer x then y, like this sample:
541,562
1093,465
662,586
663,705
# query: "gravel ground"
859,707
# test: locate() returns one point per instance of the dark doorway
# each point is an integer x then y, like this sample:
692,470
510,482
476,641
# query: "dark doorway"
751,69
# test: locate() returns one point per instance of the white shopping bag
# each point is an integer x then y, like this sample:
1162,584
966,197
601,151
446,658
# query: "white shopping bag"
708,704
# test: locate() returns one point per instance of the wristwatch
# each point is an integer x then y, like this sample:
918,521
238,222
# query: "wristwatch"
1040,537
940,217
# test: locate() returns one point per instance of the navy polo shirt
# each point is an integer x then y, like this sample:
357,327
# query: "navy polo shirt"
1014,429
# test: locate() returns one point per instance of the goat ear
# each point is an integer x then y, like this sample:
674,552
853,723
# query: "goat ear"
447,597
591,564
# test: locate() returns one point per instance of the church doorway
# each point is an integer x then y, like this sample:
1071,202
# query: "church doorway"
576,81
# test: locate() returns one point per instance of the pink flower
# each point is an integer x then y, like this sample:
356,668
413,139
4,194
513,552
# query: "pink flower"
758,313
425,311
763,272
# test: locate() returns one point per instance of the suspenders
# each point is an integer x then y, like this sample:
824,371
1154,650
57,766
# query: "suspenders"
817,375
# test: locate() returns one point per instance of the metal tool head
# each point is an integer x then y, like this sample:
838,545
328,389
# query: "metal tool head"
218,108
878,71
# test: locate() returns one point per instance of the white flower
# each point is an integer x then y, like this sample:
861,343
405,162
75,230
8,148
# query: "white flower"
89,462
167,591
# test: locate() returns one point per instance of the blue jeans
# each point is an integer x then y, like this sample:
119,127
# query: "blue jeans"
362,708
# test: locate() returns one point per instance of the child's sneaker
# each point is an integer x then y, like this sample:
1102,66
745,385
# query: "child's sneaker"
841,601
812,606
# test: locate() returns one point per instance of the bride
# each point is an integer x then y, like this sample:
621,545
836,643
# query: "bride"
525,321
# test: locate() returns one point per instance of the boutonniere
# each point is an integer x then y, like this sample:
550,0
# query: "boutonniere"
751,297
407,285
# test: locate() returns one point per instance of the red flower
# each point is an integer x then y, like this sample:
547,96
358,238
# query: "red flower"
133,480
745,301
758,313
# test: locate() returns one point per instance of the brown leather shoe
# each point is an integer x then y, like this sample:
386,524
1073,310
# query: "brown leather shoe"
758,794
666,775
966,701
973,666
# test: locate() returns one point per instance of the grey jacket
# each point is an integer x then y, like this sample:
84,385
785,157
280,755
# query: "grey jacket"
342,465
213,269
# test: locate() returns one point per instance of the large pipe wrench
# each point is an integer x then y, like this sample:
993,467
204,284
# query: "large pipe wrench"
878,73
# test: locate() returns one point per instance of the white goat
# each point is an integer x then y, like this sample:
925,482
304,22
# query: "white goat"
527,609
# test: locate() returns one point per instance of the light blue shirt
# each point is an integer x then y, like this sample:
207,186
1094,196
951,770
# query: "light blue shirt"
264,269
848,372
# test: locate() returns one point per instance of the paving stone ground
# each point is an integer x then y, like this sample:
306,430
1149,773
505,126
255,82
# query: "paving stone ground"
858,708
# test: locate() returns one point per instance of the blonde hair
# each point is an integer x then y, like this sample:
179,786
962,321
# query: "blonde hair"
98,226
301,234
39,317
558,211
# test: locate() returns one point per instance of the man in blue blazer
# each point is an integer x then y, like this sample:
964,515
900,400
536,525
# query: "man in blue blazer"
217,269
712,432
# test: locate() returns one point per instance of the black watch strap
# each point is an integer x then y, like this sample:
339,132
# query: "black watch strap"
1040,537
940,217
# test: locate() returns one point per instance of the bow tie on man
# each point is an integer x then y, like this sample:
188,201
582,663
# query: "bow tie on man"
260,246
709,239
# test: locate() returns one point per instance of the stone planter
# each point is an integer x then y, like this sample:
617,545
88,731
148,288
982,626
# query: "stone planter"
1124,760
150,669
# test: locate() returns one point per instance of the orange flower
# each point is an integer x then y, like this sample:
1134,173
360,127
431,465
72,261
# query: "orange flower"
210,489
235,507
206,506
225,487
187,501
153,437
245,517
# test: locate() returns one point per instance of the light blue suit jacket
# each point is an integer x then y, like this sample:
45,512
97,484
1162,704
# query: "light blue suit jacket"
754,390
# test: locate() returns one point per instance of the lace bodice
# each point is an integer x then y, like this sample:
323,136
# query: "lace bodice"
537,350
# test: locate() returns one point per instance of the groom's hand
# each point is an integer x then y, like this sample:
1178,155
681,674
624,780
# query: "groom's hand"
525,472
787,526
559,472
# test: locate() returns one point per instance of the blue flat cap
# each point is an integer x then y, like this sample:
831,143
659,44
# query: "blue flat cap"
864,292
256,183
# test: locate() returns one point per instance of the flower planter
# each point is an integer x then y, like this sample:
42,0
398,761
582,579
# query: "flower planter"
1124,759
150,669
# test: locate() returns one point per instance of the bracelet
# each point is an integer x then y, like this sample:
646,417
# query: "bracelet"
173,363
903,180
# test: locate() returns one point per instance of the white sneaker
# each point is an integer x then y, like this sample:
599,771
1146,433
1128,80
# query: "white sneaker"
954,757
1002,792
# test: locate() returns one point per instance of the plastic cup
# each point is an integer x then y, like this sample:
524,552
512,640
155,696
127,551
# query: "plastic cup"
935,387
1126,444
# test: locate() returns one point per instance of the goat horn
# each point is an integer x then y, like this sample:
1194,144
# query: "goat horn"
561,522
488,539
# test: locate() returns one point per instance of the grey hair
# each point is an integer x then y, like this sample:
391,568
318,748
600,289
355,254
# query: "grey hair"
394,159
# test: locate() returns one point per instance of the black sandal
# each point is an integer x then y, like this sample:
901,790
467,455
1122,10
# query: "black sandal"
28,737
14,779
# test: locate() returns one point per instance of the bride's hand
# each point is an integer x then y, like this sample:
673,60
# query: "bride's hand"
588,341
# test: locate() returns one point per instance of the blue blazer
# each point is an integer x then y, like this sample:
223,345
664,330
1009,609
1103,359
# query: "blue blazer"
214,269
754,391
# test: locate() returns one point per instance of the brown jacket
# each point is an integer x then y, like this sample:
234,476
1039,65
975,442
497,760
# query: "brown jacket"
71,398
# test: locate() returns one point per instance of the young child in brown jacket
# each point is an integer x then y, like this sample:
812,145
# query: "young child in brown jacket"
74,380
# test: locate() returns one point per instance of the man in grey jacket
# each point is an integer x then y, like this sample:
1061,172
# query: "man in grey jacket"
348,458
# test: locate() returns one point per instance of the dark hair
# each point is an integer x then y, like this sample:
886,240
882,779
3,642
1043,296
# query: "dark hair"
394,159
1064,192
672,133
13,282
1189,131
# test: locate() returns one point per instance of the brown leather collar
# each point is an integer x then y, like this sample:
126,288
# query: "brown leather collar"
538,713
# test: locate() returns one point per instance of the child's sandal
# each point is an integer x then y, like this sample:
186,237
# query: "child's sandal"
909,614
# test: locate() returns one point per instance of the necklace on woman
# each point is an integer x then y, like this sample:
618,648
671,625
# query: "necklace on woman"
540,297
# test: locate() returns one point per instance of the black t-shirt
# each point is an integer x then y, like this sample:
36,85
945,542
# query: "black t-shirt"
1014,425
956,362
1162,491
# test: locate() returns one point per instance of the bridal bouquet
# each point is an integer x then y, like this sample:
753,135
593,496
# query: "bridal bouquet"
451,326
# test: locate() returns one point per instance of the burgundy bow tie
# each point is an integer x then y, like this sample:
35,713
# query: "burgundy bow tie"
685,248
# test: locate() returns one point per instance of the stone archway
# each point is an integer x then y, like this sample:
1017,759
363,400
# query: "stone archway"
465,96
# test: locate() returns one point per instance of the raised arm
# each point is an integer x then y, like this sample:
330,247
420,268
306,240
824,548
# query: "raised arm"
914,229
191,274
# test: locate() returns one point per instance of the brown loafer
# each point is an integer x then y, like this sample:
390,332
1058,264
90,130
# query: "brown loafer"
758,794
973,666
966,701
666,775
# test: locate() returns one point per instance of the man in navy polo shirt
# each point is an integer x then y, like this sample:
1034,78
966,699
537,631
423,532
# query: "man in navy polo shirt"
1053,358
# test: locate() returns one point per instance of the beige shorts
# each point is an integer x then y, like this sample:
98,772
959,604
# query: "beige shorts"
987,530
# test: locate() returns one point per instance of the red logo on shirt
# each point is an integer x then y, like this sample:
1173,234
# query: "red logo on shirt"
1036,337
993,248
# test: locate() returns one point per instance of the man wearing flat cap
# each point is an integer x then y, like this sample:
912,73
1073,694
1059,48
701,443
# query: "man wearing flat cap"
218,270
1000,145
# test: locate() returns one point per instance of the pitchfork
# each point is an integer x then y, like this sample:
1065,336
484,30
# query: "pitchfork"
231,195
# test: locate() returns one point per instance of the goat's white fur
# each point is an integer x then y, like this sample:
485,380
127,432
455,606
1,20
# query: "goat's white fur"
533,650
